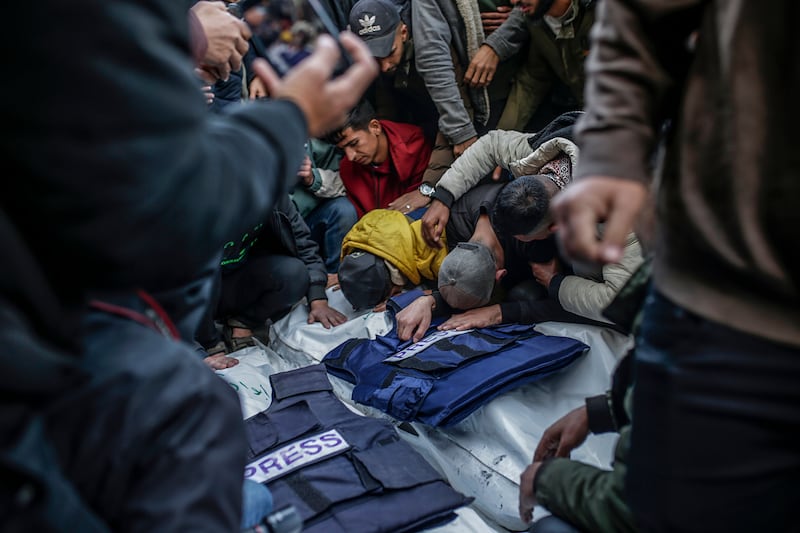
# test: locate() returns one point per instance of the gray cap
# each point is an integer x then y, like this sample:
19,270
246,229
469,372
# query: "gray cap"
466,277
375,21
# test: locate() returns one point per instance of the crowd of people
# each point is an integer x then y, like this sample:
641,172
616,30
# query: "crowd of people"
203,168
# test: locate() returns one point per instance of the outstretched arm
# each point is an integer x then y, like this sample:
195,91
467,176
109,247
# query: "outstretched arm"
564,435
496,148
433,61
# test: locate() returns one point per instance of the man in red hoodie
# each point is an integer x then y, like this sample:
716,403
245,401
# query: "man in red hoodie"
384,161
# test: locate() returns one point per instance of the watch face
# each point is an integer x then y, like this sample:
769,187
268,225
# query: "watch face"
426,189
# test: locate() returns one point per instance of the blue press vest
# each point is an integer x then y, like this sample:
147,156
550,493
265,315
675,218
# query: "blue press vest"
451,378
342,471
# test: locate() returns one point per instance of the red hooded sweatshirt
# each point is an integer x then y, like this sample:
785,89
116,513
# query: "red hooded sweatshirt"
374,186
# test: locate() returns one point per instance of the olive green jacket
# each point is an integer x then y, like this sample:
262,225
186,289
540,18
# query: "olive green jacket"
549,60
590,498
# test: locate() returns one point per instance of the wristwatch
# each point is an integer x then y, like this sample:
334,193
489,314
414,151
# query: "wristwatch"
426,189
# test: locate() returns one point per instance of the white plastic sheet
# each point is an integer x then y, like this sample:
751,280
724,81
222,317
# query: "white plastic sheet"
483,455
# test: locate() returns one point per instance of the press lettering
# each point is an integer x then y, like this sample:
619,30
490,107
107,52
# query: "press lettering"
331,440
268,463
296,455
311,447
290,455
417,347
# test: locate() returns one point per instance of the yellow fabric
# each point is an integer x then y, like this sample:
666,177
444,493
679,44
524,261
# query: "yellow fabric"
389,235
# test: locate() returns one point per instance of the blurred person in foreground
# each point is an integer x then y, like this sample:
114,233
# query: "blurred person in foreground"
113,190
715,441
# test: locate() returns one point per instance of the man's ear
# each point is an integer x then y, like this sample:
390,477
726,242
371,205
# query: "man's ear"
499,274
375,127
403,32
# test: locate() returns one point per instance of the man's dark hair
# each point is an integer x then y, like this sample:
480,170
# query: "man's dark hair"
521,206
358,118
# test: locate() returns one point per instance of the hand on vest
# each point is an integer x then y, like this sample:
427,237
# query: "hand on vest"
415,319
482,317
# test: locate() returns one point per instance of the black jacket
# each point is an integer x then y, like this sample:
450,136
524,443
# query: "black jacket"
285,231
118,179
121,177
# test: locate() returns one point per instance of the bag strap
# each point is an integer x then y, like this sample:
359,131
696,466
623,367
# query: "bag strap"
153,317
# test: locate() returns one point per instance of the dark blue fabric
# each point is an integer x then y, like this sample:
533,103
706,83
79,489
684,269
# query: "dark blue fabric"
450,379
44,498
417,213
227,92
379,484
716,426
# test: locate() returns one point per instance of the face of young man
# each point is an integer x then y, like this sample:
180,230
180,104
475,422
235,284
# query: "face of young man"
390,63
362,146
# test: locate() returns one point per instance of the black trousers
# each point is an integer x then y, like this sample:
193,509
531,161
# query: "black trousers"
264,287
716,427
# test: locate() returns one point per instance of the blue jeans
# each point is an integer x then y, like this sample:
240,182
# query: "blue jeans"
329,222
256,503
715,441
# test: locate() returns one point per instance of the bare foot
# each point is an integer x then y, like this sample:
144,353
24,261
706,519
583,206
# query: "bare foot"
220,361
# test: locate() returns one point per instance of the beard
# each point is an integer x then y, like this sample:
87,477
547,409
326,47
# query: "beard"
541,8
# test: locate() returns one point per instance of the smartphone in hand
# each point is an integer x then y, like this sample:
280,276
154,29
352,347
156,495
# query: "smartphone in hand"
344,60
270,21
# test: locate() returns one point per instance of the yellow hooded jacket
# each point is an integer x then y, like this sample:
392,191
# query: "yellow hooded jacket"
390,235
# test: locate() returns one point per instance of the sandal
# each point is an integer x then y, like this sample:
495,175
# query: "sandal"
219,348
236,343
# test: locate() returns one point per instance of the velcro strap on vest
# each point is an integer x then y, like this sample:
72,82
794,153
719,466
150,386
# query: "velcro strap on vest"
304,380
306,492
